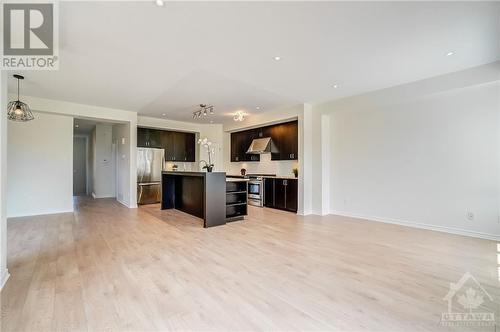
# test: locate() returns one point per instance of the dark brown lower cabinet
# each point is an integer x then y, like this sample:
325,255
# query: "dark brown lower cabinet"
268,192
281,194
292,193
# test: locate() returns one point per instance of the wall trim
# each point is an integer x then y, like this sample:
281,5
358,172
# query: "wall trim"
40,213
121,202
133,206
94,196
443,229
6,277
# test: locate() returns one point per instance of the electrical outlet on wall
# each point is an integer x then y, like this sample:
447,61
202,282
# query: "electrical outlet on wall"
469,215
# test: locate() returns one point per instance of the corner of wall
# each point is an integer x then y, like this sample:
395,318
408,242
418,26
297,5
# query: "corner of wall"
4,277
4,273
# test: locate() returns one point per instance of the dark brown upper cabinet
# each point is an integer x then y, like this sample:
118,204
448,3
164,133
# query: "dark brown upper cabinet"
142,138
235,147
240,142
284,135
167,138
190,144
148,138
286,138
178,146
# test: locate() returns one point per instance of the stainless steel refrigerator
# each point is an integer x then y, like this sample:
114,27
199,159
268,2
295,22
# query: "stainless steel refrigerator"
149,167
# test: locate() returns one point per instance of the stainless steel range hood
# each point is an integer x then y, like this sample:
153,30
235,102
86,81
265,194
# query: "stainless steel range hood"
262,145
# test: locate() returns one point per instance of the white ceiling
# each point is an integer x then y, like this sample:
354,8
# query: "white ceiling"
166,60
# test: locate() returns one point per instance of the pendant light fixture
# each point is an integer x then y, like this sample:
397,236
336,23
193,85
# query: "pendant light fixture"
17,110
204,110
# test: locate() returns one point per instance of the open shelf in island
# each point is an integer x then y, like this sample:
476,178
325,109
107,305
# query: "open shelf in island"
236,199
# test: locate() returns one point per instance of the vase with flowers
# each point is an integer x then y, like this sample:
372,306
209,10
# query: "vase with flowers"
207,145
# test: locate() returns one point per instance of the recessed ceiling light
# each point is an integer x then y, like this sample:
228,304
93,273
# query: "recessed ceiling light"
159,3
277,58
164,114
257,108
450,53
335,86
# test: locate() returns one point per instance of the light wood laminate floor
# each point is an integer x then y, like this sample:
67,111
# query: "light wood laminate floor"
106,267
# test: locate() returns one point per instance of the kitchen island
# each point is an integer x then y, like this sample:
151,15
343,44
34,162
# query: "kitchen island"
200,194
236,198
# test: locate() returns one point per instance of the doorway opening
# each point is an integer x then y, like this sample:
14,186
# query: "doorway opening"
95,163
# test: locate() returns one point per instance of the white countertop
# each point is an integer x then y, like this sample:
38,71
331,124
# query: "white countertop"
281,177
236,180
286,177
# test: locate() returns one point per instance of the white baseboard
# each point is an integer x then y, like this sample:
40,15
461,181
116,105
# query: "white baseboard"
133,206
450,230
98,197
5,278
39,213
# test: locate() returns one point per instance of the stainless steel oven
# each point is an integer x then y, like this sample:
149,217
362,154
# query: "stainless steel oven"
256,191
256,188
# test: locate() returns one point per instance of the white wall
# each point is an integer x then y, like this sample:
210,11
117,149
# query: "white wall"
104,162
4,273
96,113
40,163
90,162
215,134
121,138
423,161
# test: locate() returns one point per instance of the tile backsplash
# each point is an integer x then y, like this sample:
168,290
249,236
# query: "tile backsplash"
181,166
265,166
